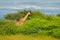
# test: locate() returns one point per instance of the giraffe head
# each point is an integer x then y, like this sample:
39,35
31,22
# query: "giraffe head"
29,13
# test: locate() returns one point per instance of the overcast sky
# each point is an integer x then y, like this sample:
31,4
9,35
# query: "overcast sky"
45,6
37,4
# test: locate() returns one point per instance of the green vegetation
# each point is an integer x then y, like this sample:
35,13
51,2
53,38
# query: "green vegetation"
58,15
36,24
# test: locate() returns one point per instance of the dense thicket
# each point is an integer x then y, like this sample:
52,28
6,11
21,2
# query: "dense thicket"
38,23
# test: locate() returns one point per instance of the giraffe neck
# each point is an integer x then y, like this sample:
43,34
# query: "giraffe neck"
21,21
25,17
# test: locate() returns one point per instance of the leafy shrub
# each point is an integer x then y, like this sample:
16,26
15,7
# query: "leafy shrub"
56,33
38,23
58,15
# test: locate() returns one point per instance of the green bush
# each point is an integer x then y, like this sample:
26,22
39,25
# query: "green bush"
58,15
38,23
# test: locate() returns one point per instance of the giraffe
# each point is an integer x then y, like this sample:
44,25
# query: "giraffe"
22,20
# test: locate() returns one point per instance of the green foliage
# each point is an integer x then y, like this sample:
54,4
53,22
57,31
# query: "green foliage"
38,23
58,15
13,16
20,14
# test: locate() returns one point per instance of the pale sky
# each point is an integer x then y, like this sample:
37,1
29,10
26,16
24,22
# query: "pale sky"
37,4
45,6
